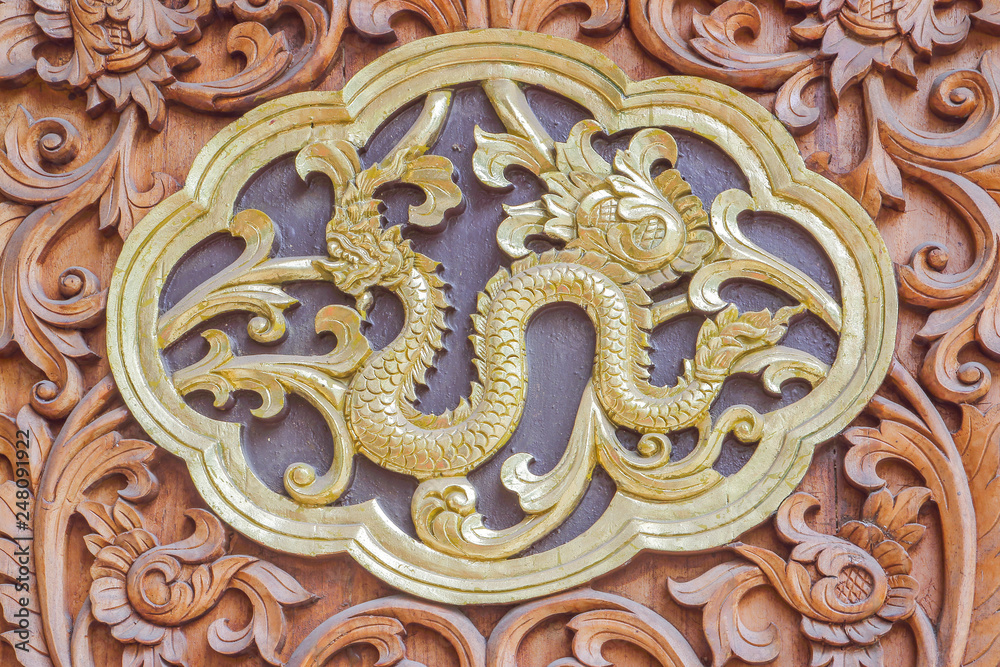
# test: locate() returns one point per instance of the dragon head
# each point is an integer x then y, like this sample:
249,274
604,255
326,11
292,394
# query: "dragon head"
362,254
647,220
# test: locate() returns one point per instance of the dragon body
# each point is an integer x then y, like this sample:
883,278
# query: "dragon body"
615,213
389,430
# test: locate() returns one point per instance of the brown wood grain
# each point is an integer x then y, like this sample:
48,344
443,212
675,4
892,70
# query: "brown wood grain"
337,582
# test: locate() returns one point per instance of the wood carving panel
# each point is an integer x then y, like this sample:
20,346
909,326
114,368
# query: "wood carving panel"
615,233
885,555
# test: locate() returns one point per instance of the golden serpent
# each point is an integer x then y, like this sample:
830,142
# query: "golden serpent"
386,426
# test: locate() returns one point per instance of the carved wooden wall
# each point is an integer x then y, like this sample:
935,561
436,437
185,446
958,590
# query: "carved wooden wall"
106,105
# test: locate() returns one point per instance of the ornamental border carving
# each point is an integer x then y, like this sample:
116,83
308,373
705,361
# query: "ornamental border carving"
312,124
47,188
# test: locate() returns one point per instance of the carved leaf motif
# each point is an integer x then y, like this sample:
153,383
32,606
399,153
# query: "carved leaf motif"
86,450
32,431
29,646
162,26
606,16
789,106
495,153
596,619
917,19
718,41
19,35
433,175
875,181
978,440
887,528
853,59
47,328
381,624
271,68
167,653
720,591
89,43
17,572
383,633
24,443
34,147
988,18
959,167
243,285
269,589
715,53
17,552
372,18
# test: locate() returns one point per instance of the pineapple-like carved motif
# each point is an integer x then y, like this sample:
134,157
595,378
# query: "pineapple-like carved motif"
624,239
850,588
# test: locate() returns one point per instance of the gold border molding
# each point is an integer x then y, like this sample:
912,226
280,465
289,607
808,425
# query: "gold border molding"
779,182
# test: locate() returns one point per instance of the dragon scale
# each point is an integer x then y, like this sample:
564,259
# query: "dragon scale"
388,429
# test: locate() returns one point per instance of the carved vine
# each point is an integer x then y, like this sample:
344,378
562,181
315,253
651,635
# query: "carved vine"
130,57
843,45
144,591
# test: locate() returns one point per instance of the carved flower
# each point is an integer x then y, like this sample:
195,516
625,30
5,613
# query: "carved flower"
850,588
121,50
887,34
652,224
146,592
863,584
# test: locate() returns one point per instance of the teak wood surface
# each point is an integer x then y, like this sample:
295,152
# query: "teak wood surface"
905,118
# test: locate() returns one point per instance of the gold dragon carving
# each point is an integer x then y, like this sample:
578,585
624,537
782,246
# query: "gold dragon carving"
621,230
958,166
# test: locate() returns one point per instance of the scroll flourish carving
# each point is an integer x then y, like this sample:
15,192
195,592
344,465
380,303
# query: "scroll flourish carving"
47,324
144,591
845,46
382,624
850,588
48,329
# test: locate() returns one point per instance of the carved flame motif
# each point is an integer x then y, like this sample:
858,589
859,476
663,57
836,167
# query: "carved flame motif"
619,231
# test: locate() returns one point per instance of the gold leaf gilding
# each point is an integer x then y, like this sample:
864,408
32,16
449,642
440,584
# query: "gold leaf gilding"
621,230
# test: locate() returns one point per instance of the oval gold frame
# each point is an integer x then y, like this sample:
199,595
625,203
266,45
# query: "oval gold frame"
779,182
